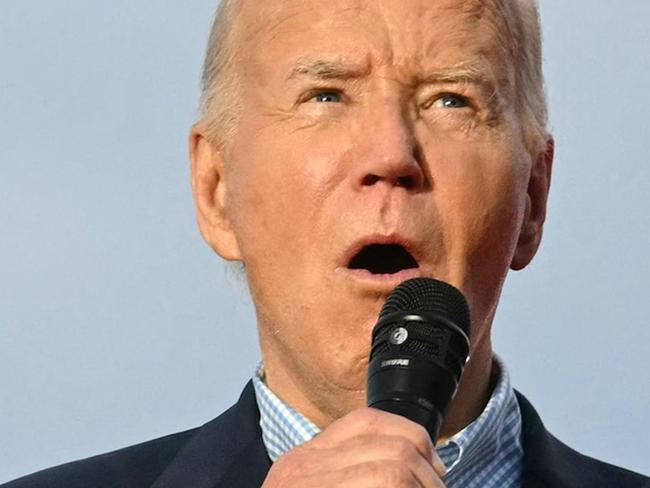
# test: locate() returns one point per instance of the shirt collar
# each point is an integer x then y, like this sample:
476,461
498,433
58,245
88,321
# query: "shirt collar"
284,428
499,422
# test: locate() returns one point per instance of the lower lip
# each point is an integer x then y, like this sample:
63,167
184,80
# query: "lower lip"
384,281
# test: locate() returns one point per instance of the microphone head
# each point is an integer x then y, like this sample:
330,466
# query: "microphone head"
419,348
430,296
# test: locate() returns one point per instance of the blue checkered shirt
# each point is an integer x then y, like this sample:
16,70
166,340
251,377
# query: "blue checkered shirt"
487,453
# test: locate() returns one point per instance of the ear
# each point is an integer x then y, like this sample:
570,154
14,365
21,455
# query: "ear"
209,190
539,184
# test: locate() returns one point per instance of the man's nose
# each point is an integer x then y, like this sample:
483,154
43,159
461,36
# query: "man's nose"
389,152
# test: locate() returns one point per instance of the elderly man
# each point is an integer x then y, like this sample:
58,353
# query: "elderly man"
346,146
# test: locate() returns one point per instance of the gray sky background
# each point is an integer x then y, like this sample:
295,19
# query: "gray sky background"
118,324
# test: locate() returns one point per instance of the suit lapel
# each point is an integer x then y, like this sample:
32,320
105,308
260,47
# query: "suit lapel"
226,452
547,462
533,440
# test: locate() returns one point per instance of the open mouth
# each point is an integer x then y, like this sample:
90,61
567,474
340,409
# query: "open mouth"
383,259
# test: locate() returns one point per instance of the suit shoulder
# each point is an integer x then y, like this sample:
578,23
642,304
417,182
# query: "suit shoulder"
550,462
130,467
600,473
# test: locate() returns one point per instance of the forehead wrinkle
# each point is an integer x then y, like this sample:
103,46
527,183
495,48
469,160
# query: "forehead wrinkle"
471,17
269,20
274,14
423,19
474,9
483,20
264,20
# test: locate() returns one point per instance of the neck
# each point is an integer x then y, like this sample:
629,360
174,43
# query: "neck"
322,406
473,393
314,398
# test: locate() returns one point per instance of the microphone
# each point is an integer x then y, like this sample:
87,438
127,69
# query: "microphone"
420,345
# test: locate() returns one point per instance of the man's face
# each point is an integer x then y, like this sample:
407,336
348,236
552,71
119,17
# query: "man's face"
364,122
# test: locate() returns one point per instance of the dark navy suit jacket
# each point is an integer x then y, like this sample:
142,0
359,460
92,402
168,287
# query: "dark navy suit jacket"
228,452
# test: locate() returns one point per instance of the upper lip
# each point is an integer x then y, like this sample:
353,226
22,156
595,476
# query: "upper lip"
396,239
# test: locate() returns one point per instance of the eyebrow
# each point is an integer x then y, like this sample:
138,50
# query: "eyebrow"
327,69
464,73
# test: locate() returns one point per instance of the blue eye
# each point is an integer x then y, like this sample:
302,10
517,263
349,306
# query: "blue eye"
328,97
450,100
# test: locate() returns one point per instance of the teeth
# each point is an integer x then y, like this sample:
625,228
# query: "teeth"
383,259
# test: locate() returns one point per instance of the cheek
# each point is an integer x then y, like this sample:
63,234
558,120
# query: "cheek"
256,195
480,186
480,191
278,191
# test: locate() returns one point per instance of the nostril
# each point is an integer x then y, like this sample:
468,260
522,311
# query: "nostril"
370,180
407,182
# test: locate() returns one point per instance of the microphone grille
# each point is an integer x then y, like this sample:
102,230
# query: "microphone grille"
429,295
